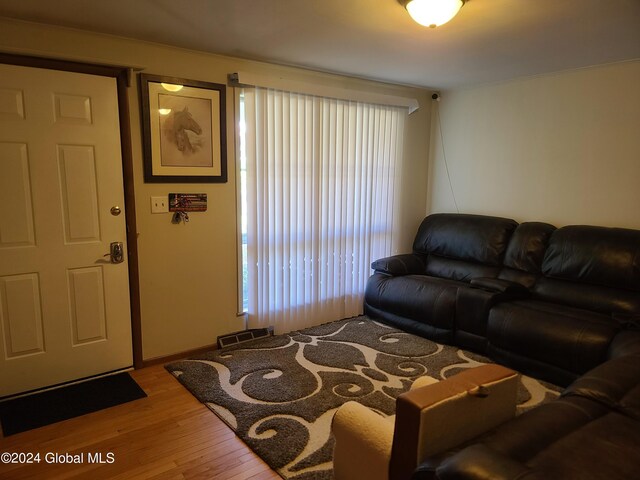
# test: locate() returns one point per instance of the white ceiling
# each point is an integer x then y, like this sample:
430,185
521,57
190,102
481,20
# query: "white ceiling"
489,40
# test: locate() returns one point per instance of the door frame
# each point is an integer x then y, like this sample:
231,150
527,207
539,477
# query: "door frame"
123,80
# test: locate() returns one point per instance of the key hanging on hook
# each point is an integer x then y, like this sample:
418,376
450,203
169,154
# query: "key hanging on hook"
180,216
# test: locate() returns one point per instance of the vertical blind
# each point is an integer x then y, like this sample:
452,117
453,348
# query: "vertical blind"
321,182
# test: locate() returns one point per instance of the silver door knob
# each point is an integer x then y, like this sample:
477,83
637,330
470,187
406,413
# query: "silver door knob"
116,252
115,210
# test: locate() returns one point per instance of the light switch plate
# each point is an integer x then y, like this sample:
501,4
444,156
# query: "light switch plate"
159,205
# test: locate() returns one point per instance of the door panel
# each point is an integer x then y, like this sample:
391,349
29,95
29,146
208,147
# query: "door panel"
64,307
77,173
21,314
86,289
16,222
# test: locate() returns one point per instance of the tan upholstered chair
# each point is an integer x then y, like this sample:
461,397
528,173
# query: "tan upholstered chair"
431,418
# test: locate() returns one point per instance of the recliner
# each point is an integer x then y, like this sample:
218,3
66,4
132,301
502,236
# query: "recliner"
521,268
562,305
417,292
548,302
590,279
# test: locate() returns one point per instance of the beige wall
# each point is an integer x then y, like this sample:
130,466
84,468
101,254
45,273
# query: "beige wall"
561,148
188,273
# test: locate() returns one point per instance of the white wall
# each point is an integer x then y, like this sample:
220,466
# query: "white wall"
188,273
561,148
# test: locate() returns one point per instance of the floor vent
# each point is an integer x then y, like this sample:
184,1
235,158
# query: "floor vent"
244,336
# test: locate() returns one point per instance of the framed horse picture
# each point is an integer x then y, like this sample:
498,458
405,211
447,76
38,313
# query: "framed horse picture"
184,130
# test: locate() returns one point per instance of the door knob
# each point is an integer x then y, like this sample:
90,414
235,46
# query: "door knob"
115,210
116,252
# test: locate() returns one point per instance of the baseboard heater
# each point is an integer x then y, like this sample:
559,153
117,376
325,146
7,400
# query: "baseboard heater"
244,336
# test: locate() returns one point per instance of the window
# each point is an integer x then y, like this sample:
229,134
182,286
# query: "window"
317,180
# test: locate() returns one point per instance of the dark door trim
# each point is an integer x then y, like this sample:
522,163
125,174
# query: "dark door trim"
121,74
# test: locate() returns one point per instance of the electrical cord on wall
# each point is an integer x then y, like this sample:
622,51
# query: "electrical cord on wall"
436,97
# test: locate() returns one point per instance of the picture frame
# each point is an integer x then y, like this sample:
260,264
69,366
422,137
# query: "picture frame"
184,130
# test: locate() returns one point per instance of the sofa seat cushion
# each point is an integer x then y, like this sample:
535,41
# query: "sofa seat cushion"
605,300
426,300
568,338
516,443
614,384
606,447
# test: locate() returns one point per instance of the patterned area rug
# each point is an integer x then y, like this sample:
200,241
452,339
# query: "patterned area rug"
279,394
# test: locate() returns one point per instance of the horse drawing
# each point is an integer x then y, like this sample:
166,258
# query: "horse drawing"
175,128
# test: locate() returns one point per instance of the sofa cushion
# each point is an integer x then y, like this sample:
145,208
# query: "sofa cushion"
571,339
425,300
517,442
479,463
524,437
458,270
603,256
605,300
474,238
527,246
563,440
437,334
615,384
606,448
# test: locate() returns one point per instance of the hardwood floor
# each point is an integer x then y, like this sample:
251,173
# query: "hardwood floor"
168,435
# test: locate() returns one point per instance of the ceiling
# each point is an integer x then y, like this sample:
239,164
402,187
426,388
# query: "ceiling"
489,40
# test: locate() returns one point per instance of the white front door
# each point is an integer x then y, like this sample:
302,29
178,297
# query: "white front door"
64,307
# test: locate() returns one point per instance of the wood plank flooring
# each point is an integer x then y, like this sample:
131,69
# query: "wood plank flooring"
167,436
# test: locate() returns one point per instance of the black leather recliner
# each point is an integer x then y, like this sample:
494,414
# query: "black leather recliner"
588,293
417,291
551,303
561,305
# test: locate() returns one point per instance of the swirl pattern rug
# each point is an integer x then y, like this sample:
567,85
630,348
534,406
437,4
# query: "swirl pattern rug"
279,394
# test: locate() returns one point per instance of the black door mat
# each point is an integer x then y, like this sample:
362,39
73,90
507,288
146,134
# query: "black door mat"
25,413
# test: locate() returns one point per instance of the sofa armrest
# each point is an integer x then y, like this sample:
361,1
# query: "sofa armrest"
499,285
438,417
397,265
363,443
473,305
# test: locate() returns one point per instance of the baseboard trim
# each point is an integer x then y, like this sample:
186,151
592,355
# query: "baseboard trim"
178,356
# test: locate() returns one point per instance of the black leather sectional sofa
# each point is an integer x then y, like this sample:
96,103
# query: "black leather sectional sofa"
558,304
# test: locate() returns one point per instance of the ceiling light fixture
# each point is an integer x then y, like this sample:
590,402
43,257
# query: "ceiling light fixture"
432,13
